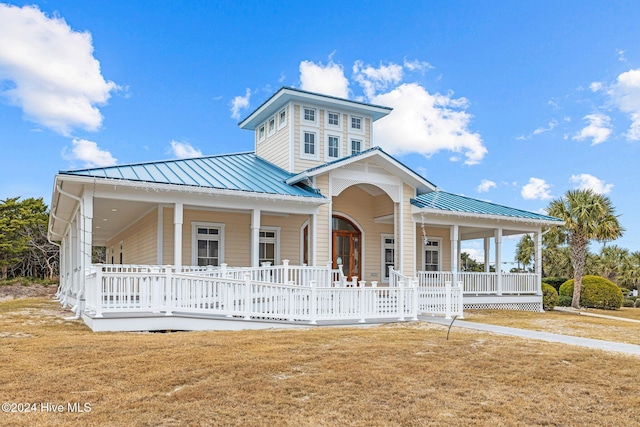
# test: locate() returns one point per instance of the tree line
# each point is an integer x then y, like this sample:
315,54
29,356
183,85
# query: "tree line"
25,250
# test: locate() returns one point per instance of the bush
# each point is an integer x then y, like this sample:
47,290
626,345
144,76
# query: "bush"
564,301
549,296
627,303
556,282
637,303
597,292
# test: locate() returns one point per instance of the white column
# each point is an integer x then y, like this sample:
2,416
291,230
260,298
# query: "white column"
87,231
498,238
313,242
453,230
255,238
487,247
160,238
538,261
178,214
401,239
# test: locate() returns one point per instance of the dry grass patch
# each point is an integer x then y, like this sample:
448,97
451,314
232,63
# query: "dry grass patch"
559,322
394,375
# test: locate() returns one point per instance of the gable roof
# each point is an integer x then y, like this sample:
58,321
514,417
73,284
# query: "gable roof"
407,174
286,94
443,201
240,172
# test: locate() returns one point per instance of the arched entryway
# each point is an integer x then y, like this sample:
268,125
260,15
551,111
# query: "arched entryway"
347,246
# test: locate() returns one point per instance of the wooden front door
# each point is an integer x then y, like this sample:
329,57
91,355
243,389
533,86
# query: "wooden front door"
346,247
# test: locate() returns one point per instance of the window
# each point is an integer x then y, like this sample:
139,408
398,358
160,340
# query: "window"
309,148
388,255
333,147
310,114
261,133
431,251
282,119
356,146
268,246
356,123
207,244
272,125
333,119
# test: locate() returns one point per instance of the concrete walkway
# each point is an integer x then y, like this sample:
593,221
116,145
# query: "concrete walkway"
536,335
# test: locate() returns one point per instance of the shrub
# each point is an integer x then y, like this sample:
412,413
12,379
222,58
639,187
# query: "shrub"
555,281
597,292
549,296
627,303
637,303
564,301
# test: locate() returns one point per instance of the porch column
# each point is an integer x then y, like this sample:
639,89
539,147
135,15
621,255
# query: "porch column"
401,240
255,238
177,234
498,238
159,238
87,231
313,242
538,262
487,246
454,253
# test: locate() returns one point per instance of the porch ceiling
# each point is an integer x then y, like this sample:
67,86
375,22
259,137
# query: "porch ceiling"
112,216
470,232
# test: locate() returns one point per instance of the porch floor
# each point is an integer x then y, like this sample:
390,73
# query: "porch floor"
182,321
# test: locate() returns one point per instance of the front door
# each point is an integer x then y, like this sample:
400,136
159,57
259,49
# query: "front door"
346,247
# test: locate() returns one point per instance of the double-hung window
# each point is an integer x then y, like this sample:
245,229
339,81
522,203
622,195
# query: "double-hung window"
333,147
309,114
431,253
356,123
268,246
272,125
356,146
208,241
333,119
282,118
310,143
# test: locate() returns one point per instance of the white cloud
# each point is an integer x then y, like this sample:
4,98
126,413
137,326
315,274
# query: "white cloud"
599,129
417,65
54,77
596,86
328,80
184,150
89,153
587,181
625,95
552,124
374,80
537,188
621,56
426,123
485,186
240,103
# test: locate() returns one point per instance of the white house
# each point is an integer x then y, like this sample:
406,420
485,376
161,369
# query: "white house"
315,225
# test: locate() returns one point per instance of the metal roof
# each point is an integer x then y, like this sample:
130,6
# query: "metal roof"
241,172
286,94
441,200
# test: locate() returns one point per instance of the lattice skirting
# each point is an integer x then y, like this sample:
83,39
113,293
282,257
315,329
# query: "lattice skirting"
520,306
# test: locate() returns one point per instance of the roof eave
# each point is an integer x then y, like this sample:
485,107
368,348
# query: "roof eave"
523,220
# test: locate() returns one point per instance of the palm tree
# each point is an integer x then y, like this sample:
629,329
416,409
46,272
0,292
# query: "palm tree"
525,250
587,216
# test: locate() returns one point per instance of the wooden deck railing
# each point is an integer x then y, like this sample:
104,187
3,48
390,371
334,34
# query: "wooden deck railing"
260,293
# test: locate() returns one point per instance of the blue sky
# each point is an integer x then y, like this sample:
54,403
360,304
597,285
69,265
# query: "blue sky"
512,102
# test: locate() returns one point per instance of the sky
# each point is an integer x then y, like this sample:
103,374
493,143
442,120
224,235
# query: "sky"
514,102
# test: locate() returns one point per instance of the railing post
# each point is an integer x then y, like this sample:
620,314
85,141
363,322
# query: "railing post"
168,285
247,296
362,296
330,274
447,299
98,292
313,303
401,300
460,305
415,299
285,272
223,270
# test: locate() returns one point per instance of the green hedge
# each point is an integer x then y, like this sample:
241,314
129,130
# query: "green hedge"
556,282
597,292
549,296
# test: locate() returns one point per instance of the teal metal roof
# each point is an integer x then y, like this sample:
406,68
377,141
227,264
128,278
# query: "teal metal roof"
240,172
441,200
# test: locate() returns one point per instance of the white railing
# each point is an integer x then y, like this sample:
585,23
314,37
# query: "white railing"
484,283
166,291
435,293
